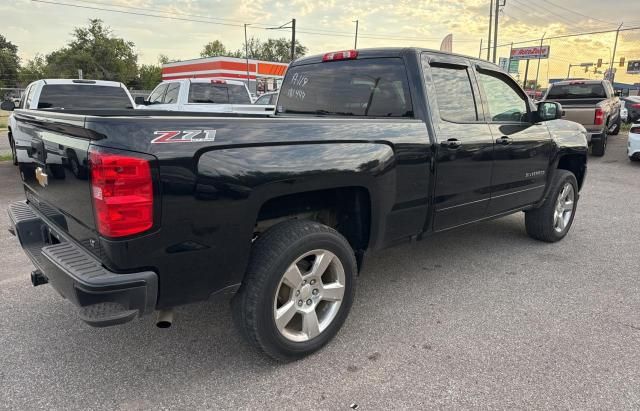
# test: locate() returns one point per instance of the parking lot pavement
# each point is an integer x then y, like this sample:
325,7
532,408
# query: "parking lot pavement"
482,317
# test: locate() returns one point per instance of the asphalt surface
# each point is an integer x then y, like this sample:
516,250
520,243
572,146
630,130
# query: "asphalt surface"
481,317
5,148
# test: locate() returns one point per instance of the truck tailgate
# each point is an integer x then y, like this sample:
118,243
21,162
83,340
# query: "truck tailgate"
584,115
57,181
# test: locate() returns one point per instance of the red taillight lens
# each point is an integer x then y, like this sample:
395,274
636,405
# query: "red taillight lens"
122,192
218,81
340,55
599,119
635,106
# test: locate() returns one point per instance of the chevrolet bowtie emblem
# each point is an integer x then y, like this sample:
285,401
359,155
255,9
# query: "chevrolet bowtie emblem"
42,177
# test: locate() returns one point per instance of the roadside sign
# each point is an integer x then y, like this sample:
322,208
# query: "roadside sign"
586,64
530,53
633,67
503,62
514,66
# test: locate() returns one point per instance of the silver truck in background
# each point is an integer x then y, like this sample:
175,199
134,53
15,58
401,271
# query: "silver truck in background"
592,103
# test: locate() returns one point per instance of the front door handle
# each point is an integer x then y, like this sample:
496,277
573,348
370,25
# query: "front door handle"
504,140
452,143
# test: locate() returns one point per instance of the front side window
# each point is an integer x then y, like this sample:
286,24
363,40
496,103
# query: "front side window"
366,87
172,93
505,103
32,91
455,97
157,95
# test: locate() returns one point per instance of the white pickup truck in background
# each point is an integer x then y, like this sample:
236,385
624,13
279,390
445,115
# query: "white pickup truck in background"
64,94
209,95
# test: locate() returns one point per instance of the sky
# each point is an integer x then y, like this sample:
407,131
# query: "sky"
41,27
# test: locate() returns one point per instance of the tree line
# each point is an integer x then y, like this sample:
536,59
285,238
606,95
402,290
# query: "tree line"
101,55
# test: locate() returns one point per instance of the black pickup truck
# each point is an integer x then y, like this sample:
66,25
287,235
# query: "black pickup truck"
130,213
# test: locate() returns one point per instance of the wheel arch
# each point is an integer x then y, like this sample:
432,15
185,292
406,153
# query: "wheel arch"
575,163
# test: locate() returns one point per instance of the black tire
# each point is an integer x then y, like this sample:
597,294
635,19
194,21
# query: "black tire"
598,147
271,255
618,127
14,155
540,222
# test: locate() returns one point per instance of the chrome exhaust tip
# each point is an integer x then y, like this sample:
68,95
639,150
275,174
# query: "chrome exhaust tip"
165,318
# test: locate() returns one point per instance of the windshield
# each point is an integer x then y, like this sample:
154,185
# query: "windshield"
367,87
214,93
575,91
76,96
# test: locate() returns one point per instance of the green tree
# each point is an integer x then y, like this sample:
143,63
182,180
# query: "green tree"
35,69
214,49
149,75
9,63
99,54
271,50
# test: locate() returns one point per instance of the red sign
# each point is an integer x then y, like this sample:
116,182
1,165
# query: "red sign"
530,53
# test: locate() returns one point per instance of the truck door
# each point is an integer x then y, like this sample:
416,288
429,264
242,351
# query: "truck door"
522,147
464,142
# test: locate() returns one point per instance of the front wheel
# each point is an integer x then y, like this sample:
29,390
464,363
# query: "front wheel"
552,221
297,291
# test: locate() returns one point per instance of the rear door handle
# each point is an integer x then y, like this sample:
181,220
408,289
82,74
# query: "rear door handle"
504,140
452,143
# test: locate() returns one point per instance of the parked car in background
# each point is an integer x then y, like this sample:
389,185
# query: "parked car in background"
632,104
368,149
210,95
624,113
267,99
593,104
633,146
64,94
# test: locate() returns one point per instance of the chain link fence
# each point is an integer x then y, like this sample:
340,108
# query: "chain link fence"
595,55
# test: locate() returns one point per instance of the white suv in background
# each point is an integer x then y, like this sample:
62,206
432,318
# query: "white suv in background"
65,94
208,95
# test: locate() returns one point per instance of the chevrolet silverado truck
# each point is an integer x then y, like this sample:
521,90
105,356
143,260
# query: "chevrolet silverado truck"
209,95
367,149
592,103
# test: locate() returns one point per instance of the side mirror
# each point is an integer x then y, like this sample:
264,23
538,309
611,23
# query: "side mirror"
140,101
7,105
549,110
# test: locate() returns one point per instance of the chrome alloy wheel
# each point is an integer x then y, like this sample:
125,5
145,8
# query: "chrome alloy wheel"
564,208
309,295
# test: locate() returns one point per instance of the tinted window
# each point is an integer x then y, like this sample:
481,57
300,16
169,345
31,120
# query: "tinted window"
218,93
263,100
172,93
570,91
367,87
23,99
455,95
157,95
75,96
505,103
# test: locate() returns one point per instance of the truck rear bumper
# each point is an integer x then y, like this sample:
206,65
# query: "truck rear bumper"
105,298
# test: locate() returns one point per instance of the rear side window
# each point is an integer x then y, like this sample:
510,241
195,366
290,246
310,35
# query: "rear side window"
32,91
456,101
76,96
367,87
578,90
215,93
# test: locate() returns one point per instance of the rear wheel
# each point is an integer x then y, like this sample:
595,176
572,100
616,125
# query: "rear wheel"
552,221
618,126
298,289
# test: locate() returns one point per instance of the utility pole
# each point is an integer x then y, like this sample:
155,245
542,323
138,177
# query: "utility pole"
246,53
490,27
80,74
293,39
480,52
612,75
355,45
538,68
495,30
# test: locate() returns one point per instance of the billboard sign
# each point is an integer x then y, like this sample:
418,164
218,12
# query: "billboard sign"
633,67
530,53
503,63
514,66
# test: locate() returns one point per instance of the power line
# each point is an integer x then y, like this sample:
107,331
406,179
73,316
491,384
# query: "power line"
573,12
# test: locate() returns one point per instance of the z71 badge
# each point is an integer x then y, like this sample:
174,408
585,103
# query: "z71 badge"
184,136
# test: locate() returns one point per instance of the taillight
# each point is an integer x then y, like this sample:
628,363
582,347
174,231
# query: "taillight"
218,81
599,119
122,192
340,55
635,106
